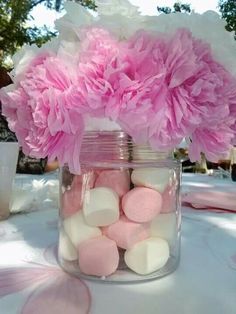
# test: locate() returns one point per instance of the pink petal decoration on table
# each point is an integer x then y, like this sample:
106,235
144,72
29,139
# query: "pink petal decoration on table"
54,291
64,294
214,199
13,280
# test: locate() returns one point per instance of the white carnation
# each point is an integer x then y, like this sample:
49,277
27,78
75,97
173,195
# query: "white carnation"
123,19
120,26
119,16
21,60
69,24
113,7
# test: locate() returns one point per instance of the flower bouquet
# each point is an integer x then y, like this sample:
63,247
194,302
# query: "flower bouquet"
152,80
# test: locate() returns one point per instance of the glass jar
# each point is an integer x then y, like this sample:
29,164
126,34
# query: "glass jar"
120,219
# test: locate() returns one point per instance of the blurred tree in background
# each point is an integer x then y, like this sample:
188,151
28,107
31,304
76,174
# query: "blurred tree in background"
227,9
90,4
177,7
14,31
228,12
14,24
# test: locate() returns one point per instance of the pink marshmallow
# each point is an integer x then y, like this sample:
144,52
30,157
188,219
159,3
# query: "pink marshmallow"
98,256
126,233
118,180
142,204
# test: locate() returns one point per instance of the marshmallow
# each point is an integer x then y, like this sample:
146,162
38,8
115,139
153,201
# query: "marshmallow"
118,180
165,227
141,204
66,250
101,207
147,256
155,178
98,256
77,229
126,232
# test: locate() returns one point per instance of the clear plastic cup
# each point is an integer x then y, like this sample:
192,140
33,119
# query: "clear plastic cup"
8,160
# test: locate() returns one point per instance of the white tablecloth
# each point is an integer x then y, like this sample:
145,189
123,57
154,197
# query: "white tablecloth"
32,283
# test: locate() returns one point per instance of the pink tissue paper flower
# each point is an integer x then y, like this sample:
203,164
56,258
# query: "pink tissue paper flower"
159,89
39,110
98,50
171,87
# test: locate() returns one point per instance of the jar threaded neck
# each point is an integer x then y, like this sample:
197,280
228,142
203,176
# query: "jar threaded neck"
117,145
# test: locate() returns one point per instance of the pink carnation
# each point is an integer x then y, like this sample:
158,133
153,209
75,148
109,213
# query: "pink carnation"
39,111
116,80
137,85
98,50
172,87
214,141
159,89
216,133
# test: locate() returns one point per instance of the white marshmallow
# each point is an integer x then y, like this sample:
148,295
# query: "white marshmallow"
147,256
66,250
77,229
101,206
164,226
155,178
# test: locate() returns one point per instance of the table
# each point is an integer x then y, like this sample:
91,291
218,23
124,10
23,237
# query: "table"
32,283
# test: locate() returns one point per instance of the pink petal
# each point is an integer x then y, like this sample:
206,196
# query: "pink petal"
13,280
62,295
